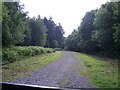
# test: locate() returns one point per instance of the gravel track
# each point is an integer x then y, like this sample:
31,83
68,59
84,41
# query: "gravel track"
64,73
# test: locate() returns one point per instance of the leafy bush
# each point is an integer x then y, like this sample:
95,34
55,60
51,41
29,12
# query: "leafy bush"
11,54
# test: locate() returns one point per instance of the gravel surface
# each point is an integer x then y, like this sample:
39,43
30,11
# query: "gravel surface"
64,73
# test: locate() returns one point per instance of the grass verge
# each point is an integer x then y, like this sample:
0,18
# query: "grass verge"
103,74
22,67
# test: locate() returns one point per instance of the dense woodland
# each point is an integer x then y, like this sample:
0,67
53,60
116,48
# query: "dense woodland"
20,30
23,36
98,31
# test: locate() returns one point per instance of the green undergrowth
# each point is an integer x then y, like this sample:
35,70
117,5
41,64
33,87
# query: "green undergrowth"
104,74
14,53
23,67
108,54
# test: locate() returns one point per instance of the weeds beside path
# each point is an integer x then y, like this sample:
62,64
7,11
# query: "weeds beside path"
22,67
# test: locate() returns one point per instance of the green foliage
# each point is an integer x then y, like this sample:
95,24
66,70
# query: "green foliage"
116,35
99,31
27,32
104,22
20,30
55,43
13,23
80,39
71,41
5,28
59,32
0,33
9,55
12,54
55,33
38,31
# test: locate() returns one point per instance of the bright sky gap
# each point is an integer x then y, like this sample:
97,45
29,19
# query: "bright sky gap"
67,12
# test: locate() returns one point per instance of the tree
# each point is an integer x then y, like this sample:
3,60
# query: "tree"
99,30
27,32
13,23
59,32
85,31
7,37
50,33
116,26
104,21
38,30
55,34
0,22
71,42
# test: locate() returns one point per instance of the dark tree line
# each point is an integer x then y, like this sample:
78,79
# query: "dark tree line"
99,30
19,29
54,34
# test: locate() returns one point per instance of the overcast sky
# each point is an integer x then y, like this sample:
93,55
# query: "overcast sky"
67,12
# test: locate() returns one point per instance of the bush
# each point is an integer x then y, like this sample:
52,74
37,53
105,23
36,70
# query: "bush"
11,54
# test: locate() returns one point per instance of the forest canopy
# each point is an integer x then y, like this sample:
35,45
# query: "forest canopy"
98,31
20,30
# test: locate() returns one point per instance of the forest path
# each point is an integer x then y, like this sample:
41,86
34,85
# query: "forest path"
64,73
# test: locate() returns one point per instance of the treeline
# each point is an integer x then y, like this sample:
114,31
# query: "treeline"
20,30
98,31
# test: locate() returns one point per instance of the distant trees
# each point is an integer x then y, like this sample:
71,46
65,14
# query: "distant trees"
38,31
99,30
81,39
59,32
55,33
19,29
71,42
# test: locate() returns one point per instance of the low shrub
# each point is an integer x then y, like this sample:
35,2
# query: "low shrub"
11,54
